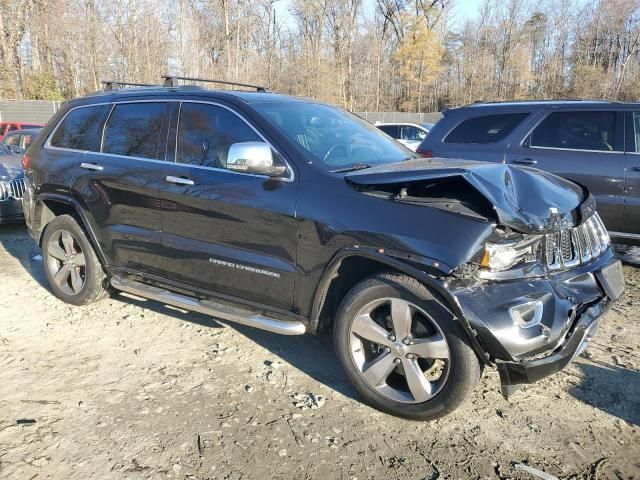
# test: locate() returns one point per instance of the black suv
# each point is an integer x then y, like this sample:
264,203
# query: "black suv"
293,216
593,143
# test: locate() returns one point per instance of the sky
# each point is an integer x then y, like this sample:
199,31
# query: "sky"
462,10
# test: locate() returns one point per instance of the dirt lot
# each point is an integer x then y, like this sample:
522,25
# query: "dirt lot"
131,389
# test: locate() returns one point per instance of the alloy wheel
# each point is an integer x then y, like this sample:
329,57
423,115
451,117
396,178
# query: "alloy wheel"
66,262
399,350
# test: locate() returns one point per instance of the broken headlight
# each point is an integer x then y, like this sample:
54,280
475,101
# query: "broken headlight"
503,251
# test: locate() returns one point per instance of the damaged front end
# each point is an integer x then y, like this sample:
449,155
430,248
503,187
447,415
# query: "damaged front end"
533,294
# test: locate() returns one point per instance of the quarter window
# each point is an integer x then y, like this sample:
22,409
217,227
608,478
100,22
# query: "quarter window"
577,131
80,129
485,128
133,130
205,133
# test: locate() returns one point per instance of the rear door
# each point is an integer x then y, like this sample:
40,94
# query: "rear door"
630,223
586,146
119,182
226,231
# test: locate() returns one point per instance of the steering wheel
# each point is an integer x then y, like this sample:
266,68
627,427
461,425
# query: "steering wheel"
333,149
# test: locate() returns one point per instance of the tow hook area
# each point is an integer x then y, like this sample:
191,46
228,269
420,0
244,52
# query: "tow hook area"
515,374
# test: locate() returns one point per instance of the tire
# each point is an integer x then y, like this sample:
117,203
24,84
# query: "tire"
70,264
438,385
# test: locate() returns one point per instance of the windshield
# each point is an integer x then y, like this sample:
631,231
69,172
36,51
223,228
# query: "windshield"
337,139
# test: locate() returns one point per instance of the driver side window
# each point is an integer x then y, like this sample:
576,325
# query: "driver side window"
206,132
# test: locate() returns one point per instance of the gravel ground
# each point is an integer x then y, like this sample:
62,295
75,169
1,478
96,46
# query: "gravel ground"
128,388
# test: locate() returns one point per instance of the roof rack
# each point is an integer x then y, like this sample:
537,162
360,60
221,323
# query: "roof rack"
110,85
171,81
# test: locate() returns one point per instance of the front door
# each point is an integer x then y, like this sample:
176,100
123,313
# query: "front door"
584,146
224,231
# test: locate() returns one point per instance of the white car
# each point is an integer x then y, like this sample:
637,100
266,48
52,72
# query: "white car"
409,134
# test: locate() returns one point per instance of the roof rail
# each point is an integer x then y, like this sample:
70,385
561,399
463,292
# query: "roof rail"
114,85
171,81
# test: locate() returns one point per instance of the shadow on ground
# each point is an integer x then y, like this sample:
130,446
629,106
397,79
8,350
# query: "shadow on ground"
610,388
314,355
15,239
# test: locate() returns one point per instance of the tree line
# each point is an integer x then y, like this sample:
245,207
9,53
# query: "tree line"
365,55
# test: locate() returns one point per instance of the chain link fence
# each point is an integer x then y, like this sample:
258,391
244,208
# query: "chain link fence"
40,111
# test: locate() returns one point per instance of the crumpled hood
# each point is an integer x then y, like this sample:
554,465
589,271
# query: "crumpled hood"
525,199
11,166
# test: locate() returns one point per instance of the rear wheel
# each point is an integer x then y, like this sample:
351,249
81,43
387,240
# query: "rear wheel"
71,266
403,351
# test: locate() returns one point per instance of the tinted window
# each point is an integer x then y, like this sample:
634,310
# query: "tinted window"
576,130
133,130
205,133
391,130
80,129
486,128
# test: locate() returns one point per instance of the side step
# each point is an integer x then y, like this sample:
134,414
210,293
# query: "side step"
217,310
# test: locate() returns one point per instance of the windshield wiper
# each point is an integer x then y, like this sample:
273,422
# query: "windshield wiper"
352,168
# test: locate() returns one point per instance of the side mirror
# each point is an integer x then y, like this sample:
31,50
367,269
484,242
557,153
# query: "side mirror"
253,157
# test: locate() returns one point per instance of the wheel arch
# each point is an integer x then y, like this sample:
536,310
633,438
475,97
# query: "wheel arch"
50,206
351,265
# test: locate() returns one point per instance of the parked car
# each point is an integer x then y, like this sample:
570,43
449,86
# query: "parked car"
593,143
19,140
6,127
409,134
294,216
11,186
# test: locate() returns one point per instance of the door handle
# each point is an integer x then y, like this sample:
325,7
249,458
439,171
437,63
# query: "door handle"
91,166
525,161
179,180
635,169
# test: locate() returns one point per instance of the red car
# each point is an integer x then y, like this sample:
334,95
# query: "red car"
6,127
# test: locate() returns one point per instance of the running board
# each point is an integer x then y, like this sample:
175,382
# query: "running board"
217,310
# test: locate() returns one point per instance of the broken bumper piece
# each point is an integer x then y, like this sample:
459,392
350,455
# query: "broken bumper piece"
534,327
514,374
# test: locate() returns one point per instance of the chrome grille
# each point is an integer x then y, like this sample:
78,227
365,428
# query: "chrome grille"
573,246
12,189
17,188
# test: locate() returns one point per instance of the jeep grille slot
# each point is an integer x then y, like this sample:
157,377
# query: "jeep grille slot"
573,246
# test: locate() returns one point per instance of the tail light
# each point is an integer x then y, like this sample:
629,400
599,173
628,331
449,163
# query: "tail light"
26,161
424,153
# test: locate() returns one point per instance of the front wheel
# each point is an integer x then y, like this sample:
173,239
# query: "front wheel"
402,350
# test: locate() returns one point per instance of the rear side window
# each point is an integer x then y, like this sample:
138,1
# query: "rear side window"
391,130
413,133
133,130
205,133
577,131
485,128
80,129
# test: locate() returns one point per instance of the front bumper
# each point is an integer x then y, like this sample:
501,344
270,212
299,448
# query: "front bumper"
11,211
569,307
